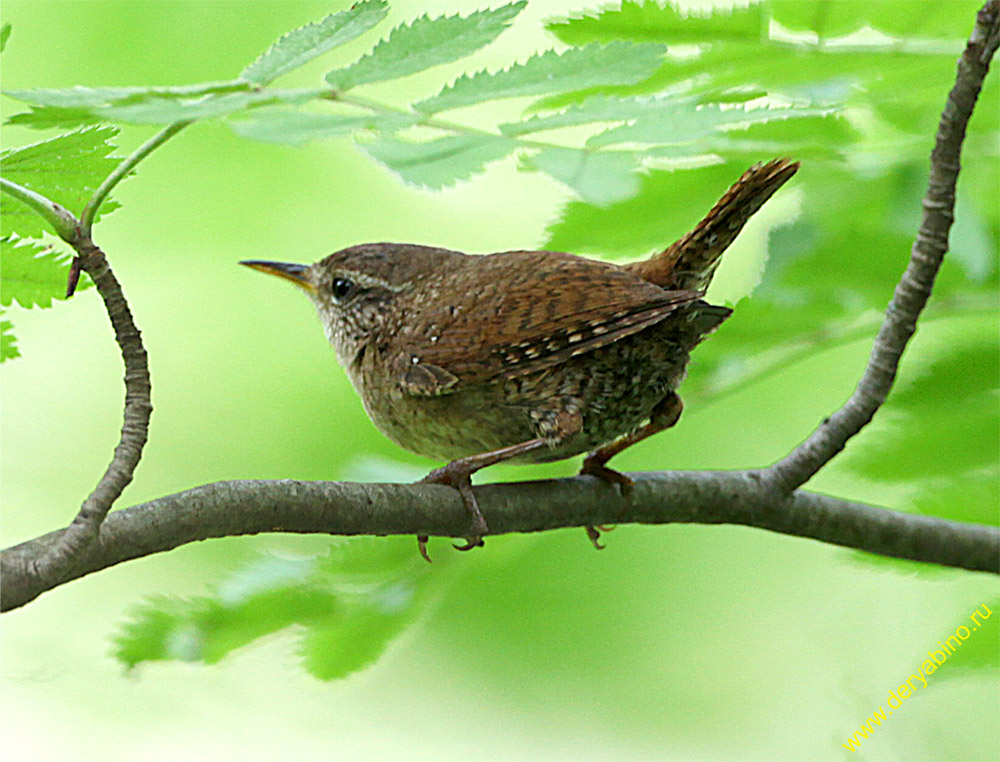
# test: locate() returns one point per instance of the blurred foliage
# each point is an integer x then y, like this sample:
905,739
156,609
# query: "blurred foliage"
349,603
980,649
687,100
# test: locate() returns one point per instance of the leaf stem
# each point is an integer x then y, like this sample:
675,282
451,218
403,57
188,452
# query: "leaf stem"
123,169
426,120
64,223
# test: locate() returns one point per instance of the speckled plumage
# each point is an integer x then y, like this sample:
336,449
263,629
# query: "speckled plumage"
537,359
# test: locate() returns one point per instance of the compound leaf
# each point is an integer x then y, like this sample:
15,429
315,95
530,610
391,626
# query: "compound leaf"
599,178
426,42
551,72
438,163
302,45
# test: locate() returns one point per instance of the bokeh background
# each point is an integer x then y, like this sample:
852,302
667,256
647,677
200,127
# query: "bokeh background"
677,642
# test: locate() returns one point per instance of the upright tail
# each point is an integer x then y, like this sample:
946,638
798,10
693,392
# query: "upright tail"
690,263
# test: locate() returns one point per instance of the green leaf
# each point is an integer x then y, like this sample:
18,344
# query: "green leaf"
424,43
599,178
673,122
438,163
978,650
32,274
350,604
4,36
302,45
550,72
901,18
277,125
8,342
54,117
159,108
598,108
88,97
667,206
916,439
980,499
66,169
649,21
808,138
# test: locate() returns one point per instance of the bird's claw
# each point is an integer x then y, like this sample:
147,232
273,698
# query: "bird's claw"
470,543
601,471
455,476
422,547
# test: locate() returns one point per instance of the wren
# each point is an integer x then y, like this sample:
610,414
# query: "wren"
526,356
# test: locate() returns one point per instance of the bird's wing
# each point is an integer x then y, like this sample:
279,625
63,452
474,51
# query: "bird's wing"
531,311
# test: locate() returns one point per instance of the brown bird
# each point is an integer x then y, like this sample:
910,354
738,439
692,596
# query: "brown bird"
527,356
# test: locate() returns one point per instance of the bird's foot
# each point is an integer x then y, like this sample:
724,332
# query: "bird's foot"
457,474
594,465
594,534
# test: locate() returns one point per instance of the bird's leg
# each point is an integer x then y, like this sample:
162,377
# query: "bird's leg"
665,414
458,474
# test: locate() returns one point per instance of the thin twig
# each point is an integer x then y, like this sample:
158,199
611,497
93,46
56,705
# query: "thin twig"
61,220
121,172
915,286
226,509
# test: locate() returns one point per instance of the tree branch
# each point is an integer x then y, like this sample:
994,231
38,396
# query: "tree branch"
766,499
61,556
225,509
915,286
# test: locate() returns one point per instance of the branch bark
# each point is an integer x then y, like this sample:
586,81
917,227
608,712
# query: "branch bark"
225,509
61,556
914,288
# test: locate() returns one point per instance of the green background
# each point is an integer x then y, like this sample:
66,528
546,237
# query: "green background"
677,642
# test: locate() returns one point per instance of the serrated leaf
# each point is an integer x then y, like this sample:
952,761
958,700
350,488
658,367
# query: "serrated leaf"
302,45
31,274
285,126
426,42
87,97
599,108
599,178
674,122
66,169
438,163
649,21
8,342
160,109
350,604
4,36
54,117
551,72
806,139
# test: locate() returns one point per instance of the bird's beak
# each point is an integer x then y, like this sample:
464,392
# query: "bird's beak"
295,273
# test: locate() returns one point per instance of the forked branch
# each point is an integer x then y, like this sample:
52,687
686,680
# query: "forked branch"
914,288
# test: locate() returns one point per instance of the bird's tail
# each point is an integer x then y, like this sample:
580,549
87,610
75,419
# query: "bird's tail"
690,263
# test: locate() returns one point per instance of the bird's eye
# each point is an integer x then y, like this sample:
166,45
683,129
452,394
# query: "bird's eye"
341,288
